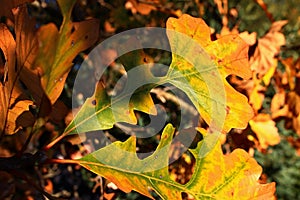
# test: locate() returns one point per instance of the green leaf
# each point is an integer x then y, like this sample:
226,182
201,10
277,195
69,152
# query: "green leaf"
216,176
199,68
102,111
58,48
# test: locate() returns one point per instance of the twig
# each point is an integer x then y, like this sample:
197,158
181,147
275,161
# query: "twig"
262,4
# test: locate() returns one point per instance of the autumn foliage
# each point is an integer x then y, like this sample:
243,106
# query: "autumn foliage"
243,85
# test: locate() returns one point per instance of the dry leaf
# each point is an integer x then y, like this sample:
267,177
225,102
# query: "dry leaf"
12,103
264,128
257,96
290,68
250,39
268,46
293,102
142,8
8,5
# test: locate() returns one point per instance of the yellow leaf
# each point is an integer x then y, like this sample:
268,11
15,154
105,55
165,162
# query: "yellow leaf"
229,54
264,128
233,176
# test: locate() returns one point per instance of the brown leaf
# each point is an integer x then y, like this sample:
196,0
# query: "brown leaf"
8,5
295,142
291,70
293,102
21,88
26,51
7,93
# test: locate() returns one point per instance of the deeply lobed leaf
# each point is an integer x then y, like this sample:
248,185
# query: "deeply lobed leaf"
216,176
205,82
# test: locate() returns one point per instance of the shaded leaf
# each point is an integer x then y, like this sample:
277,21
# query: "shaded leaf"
58,48
22,88
293,102
291,69
26,52
7,6
237,176
12,104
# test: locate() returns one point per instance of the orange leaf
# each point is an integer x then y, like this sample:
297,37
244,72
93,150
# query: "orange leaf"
268,46
265,130
229,53
290,68
12,103
250,39
58,48
143,8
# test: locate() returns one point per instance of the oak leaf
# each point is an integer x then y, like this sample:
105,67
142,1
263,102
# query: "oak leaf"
58,48
236,178
267,48
203,81
230,56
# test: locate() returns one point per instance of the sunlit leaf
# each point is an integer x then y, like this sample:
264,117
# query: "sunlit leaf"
266,131
229,54
142,8
101,111
21,85
268,46
216,176
205,82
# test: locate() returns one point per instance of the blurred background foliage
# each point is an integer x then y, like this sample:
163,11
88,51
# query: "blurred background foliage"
281,162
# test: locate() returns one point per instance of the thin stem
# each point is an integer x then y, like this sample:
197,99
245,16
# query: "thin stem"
61,161
262,4
56,140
